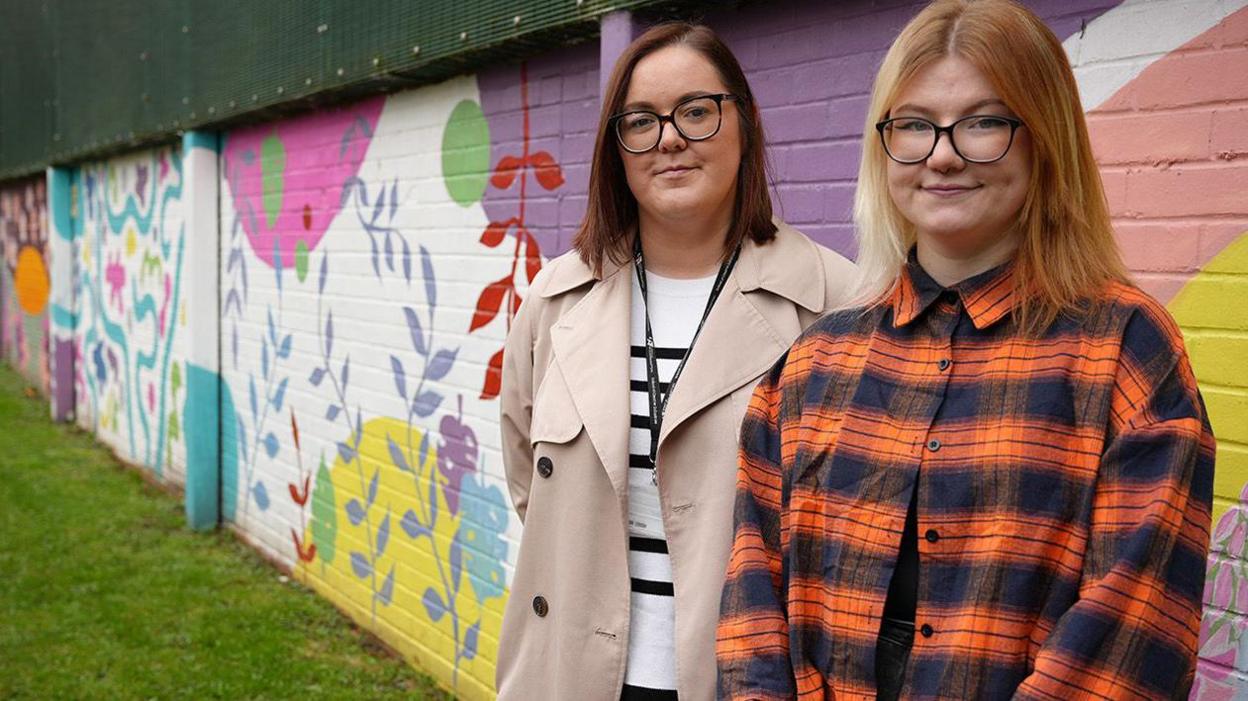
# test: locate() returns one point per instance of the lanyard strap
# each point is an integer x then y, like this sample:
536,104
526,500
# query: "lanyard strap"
656,398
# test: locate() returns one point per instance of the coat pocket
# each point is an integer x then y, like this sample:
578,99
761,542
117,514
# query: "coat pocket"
555,418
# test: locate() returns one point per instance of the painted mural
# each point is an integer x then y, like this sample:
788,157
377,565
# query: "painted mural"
129,307
357,362
25,282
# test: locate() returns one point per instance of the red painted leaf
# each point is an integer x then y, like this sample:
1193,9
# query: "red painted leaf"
295,496
294,428
488,304
307,216
505,172
310,554
496,232
533,257
493,376
549,174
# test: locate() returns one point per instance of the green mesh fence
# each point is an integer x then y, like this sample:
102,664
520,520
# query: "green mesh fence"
83,78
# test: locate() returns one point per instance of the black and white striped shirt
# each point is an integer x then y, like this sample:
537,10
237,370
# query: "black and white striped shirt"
676,307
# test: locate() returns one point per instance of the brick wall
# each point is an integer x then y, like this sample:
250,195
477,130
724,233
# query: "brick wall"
24,279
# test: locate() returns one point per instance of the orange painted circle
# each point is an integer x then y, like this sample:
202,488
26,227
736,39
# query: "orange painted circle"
31,280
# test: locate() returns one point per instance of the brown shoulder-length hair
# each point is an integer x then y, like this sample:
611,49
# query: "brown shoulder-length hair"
1067,252
611,212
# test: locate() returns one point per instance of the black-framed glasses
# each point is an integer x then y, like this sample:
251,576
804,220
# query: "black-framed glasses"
979,138
696,119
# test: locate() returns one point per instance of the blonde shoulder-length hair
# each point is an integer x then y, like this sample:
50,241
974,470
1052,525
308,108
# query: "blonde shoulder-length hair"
1067,251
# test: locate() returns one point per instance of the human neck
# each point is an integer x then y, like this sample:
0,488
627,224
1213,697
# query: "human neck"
949,265
685,248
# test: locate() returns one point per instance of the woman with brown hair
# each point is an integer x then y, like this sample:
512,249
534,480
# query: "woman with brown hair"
626,375
1002,447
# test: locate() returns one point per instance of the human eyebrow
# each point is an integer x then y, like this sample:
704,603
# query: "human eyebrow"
649,106
969,109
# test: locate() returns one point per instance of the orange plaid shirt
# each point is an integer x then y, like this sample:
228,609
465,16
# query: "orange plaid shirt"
1064,489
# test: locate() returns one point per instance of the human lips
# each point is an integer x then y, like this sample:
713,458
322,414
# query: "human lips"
948,189
674,170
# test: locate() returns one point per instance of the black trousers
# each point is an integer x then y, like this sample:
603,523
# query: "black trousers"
892,652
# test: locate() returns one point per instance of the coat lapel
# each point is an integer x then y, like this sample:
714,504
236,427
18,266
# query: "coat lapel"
590,343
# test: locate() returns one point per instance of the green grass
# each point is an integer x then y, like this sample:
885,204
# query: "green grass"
104,593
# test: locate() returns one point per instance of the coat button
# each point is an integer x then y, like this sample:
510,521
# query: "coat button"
943,364
540,607
545,466
931,535
926,630
933,445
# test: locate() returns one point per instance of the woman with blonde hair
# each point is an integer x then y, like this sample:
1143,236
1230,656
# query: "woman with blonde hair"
1002,448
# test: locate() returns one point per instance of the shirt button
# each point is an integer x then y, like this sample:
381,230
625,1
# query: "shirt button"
926,630
545,466
540,607
943,364
933,445
931,535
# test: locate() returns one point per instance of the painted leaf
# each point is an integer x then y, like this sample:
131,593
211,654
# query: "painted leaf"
277,264
295,496
389,251
251,395
532,257
414,328
264,357
272,328
493,376
400,376
374,255
496,232
407,262
396,455
324,514
280,395
372,487
317,375
505,172
431,283
394,198
549,174
261,494
433,500
386,592
324,275
488,304
411,525
441,364
471,638
284,350
174,430
360,565
433,605
242,437
424,449
270,445
355,512
346,452
427,403
346,372
294,430
329,334
331,413
383,535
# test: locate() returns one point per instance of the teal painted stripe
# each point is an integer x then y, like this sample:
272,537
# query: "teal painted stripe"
64,318
201,139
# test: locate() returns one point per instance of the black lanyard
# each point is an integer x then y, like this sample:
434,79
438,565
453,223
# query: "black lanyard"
658,400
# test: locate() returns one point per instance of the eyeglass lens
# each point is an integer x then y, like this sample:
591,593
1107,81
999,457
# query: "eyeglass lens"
695,119
975,138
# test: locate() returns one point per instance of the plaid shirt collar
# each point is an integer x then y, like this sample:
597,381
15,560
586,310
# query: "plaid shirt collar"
987,297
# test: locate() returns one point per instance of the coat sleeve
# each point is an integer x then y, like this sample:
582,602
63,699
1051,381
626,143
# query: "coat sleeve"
516,405
752,640
1132,632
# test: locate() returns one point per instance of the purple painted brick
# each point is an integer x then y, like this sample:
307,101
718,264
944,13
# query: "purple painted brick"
821,161
796,123
836,77
800,204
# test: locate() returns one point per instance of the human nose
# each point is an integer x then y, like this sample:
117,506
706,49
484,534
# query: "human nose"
944,156
670,138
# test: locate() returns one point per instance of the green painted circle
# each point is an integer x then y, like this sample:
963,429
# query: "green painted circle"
466,153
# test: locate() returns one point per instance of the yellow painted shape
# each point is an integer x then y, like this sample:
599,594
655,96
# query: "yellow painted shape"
132,241
30,278
1212,311
404,623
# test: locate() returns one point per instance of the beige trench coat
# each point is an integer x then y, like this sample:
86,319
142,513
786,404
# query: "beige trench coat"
565,410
